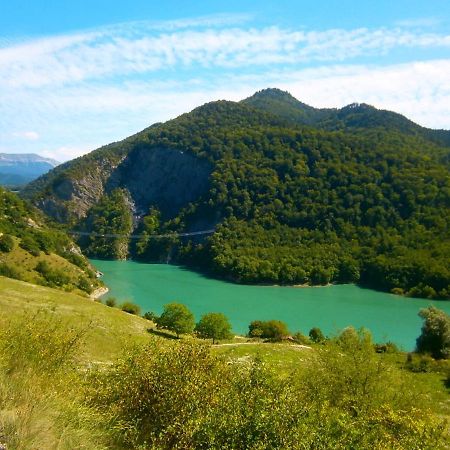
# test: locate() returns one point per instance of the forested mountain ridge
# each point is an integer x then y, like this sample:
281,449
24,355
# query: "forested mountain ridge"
357,117
291,203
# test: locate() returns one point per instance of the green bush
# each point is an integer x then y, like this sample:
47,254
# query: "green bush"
6,243
42,404
178,395
10,271
301,339
131,308
316,335
53,277
85,285
435,336
271,329
30,245
150,315
111,302
387,347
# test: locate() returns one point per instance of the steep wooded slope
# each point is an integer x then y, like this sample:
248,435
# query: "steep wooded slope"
292,204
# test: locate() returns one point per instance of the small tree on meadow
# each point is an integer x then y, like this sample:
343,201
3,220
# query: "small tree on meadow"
316,335
435,337
176,317
269,329
214,326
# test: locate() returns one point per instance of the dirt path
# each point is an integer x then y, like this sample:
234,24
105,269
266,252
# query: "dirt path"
234,344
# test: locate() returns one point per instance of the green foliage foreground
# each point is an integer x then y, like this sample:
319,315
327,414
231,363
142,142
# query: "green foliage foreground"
170,395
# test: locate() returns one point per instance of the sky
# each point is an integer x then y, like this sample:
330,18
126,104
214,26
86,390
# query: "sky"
76,75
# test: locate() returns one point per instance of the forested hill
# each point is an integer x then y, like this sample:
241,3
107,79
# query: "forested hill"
292,201
357,117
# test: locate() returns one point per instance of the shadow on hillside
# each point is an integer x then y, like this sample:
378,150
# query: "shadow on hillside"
163,334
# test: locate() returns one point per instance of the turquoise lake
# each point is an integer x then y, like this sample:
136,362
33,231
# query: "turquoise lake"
331,308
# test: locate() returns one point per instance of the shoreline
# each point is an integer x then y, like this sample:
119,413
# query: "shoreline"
99,292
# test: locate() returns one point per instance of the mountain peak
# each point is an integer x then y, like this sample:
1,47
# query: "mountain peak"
274,93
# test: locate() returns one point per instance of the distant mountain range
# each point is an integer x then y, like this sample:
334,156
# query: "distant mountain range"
19,169
297,195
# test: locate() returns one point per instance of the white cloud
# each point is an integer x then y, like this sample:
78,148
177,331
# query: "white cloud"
29,135
87,89
419,22
62,154
135,49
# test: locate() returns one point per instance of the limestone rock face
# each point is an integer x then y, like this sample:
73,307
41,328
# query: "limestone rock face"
163,177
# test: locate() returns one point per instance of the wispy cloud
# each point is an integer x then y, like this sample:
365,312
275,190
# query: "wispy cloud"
421,22
29,135
82,90
138,49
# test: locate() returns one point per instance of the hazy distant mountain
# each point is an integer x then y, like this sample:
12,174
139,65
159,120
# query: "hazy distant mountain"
17,168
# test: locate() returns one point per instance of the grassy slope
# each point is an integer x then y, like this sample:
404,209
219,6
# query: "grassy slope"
108,329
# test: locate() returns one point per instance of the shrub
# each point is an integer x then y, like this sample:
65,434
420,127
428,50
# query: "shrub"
111,302
6,243
316,335
150,315
84,284
179,395
271,329
53,277
435,336
420,363
131,308
9,271
42,402
301,339
387,347
30,245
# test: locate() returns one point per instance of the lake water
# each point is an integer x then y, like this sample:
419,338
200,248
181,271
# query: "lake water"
331,308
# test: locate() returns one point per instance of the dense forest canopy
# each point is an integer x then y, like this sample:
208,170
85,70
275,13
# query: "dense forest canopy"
297,195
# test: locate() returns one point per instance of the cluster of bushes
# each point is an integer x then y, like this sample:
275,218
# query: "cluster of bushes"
178,394
127,306
54,277
10,271
177,318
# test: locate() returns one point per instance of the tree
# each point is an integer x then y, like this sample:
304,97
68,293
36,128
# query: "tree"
178,318
435,337
316,335
270,329
214,326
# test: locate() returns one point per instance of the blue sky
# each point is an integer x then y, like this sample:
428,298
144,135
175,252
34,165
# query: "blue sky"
76,75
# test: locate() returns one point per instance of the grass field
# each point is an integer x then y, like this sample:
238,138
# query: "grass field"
108,330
